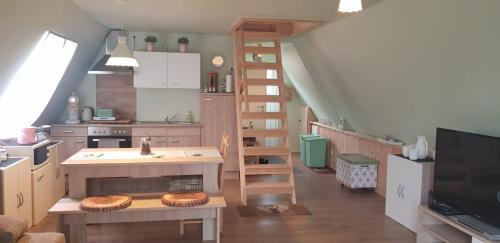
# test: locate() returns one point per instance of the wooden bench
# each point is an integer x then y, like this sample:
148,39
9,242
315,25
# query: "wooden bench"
73,221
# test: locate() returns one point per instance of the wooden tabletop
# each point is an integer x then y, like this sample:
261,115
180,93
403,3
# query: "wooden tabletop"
132,156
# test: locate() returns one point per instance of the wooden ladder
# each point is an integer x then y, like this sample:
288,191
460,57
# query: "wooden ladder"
261,39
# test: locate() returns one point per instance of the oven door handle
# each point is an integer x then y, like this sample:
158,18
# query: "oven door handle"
119,140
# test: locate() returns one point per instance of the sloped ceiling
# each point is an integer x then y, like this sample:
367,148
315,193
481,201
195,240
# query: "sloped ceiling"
405,67
23,23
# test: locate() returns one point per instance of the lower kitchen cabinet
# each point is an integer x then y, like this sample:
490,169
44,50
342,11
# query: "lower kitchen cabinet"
16,189
42,182
179,141
71,145
55,154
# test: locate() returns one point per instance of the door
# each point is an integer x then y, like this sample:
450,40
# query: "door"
184,71
11,198
42,182
183,141
393,198
24,182
152,70
208,120
71,145
411,187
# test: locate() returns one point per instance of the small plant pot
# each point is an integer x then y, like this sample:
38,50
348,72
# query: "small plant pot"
183,48
150,46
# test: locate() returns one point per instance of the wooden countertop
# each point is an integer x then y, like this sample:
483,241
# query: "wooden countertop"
356,134
133,124
132,157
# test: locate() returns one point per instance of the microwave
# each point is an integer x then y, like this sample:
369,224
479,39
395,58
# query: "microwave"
38,152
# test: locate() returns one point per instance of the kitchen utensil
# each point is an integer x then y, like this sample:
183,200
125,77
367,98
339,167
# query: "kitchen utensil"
27,136
87,114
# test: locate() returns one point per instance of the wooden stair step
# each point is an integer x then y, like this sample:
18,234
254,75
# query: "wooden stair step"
267,169
263,50
257,150
263,115
266,98
264,82
262,65
261,35
269,188
265,133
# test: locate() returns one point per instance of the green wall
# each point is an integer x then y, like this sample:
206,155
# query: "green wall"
405,67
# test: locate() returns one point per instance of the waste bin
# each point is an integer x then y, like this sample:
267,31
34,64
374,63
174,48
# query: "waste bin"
303,145
315,151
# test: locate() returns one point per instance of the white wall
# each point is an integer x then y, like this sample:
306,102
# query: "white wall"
22,23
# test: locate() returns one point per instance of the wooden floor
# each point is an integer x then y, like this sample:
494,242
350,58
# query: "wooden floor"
338,215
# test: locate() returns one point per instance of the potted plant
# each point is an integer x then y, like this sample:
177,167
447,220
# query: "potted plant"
150,42
183,44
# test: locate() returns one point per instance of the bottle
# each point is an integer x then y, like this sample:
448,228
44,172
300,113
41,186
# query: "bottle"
229,81
146,146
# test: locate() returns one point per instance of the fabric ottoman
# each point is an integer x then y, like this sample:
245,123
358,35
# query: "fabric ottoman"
357,171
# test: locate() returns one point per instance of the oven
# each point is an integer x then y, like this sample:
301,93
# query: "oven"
109,137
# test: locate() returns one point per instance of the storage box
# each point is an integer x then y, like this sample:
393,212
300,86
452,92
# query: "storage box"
357,171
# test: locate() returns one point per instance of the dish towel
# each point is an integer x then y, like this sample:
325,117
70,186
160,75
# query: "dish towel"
108,143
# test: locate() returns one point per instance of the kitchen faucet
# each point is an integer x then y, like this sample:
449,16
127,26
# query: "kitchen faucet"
169,119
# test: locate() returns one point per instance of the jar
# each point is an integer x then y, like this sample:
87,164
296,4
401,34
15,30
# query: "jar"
3,154
146,146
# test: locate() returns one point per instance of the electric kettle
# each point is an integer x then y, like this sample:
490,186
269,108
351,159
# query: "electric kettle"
87,114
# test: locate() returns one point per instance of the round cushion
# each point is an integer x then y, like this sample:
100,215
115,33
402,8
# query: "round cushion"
184,199
105,203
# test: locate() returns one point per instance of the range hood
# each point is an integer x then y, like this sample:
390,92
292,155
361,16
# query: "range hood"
110,44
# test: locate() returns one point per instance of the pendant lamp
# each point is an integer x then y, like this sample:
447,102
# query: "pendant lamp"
350,6
122,56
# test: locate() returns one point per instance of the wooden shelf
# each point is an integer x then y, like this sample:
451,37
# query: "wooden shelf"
447,233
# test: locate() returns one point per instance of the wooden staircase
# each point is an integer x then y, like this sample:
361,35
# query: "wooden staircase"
251,75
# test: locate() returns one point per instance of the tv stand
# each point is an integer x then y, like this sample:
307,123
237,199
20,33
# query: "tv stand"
434,227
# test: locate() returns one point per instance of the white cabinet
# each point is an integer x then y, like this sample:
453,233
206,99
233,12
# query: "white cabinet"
42,182
167,70
55,155
16,189
184,70
152,70
408,186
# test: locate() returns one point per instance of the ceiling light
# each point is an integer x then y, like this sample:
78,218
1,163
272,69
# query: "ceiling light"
350,6
122,56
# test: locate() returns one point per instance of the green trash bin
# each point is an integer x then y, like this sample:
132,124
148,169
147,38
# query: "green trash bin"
315,151
303,145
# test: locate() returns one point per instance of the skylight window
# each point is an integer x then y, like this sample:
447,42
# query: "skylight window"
29,92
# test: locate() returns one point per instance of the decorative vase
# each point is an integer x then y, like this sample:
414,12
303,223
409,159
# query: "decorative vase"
183,47
150,46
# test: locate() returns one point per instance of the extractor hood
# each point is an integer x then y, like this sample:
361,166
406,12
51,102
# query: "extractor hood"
110,44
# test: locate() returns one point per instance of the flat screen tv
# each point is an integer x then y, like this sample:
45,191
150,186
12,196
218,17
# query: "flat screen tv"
467,174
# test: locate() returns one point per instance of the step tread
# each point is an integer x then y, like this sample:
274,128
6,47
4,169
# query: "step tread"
262,65
265,133
267,169
266,98
262,50
258,150
263,115
269,188
260,35
264,82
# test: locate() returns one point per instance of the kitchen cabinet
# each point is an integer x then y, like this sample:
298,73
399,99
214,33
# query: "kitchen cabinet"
152,71
408,186
42,182
16,189
167,70
184,71
73,138
218,115
55,153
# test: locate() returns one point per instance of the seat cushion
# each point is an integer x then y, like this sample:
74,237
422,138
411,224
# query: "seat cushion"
42,238
6,237
16,227
192,199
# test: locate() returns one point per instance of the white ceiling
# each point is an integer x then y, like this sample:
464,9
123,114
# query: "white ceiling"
201,16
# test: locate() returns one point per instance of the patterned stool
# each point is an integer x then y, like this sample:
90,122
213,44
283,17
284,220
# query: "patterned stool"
356,171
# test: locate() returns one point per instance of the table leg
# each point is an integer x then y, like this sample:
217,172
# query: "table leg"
219,224
209,229
210,178
77,185
77,233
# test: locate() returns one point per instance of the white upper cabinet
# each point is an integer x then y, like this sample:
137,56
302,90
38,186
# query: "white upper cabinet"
152,70
167,70
184,70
